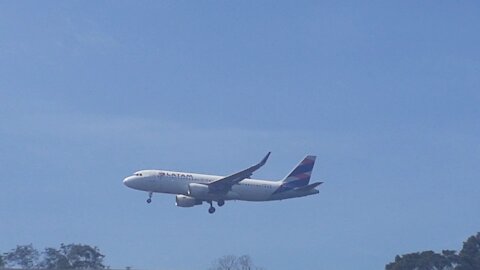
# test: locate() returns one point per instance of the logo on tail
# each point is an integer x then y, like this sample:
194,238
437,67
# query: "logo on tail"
300,175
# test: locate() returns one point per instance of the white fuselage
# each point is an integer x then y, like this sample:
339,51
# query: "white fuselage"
171,182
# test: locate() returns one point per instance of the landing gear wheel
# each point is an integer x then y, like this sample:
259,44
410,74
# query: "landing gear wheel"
211,210
221,203
149,200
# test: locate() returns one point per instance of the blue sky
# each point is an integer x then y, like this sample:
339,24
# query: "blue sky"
386,94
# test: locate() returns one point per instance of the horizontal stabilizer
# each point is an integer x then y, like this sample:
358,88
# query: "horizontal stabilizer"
307,187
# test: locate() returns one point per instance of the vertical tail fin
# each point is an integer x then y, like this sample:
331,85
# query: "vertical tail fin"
300,175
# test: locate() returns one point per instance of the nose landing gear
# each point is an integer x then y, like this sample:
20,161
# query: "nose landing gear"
149,200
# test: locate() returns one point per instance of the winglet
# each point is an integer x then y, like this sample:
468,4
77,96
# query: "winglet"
264,160
258,165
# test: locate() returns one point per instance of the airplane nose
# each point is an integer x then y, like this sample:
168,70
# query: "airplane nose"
128,181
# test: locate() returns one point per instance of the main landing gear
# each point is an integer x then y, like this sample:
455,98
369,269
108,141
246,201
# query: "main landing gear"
211,210
149,200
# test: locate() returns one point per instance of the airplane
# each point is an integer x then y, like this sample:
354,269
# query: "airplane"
193,189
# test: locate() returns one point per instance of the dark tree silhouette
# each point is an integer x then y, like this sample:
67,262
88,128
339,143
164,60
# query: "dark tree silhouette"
232,262
73,256
427,260
245,262
54,259
22,256
469,257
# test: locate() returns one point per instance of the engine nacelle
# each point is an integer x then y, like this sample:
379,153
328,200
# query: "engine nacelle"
186,201
197,190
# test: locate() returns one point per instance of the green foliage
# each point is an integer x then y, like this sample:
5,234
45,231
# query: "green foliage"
25,257
467,259
232,262
72,256
427,260
54,259
469,256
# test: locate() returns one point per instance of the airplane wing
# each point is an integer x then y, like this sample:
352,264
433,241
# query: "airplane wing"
224,184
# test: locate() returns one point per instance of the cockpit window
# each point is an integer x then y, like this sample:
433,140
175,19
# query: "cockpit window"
138,174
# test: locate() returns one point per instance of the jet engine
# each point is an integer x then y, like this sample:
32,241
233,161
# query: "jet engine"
197,190
186,201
